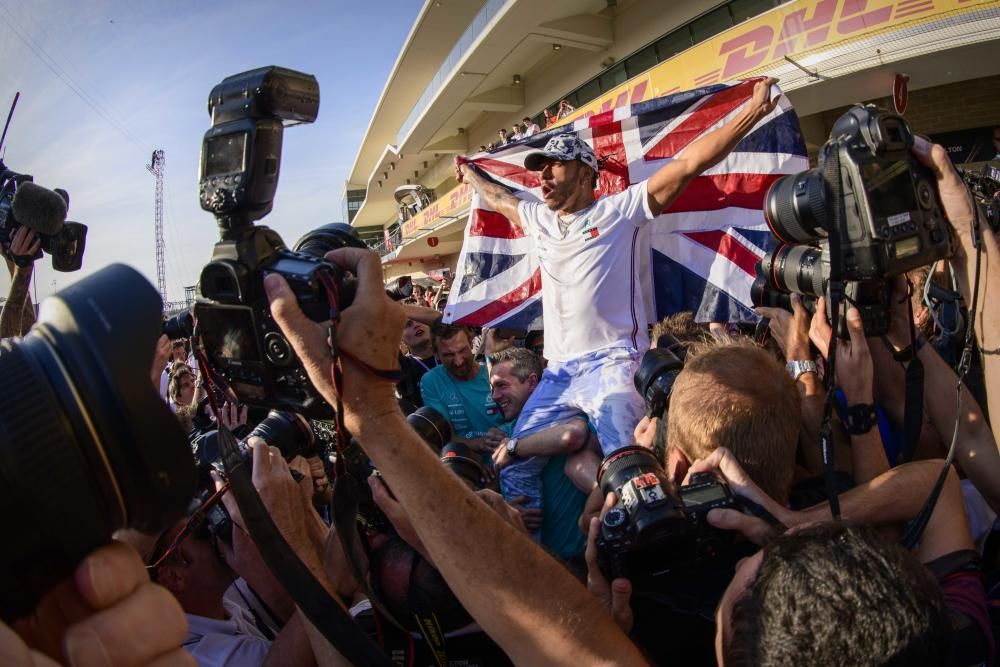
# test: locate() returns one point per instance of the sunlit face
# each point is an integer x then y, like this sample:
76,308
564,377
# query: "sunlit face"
456,356
415,334
565,182
185,390
179,353
508,391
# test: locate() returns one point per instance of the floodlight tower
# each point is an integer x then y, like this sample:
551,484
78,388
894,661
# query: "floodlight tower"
155,167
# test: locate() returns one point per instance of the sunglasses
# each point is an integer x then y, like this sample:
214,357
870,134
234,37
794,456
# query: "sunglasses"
197,526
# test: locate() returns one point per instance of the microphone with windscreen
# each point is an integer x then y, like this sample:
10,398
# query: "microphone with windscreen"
23,202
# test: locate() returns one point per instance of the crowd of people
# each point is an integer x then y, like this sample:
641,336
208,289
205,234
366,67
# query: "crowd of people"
511,564
527,127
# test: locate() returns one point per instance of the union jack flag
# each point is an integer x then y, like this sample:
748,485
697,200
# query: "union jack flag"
703,247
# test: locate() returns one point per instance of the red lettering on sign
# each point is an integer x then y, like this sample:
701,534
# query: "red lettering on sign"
859,20
639,92
746,51
795,24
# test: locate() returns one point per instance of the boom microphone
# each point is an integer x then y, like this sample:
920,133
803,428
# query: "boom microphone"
39,209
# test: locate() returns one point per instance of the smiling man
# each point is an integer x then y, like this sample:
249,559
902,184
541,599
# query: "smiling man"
590,252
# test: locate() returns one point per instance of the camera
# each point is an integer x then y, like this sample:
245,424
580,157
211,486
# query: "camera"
87,446
652,531
180,325
658,369
985,188
240,162
291,433
24,203
462,461
890,217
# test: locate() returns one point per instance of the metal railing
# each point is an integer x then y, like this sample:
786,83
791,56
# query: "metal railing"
454,57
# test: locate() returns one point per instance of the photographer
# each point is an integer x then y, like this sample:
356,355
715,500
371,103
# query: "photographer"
18,313
774,608
108,613
546,617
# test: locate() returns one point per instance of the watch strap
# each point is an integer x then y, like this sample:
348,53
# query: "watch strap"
797,367
860,418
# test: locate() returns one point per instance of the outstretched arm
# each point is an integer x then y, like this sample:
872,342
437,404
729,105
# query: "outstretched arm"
665,185
497,197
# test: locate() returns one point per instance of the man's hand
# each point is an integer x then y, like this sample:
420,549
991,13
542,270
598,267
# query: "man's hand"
397,515
281,495
232,417
955,198
501,458
460,167
854,372
107,613
493,438
761,102
160,356
645,432
722,462
616,596
790,330
530,516
370,330
24,245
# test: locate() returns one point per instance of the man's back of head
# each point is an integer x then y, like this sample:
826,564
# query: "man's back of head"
837,594
734,394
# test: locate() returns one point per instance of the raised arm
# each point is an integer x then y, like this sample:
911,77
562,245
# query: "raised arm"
666,184
18,314
497,197
529,604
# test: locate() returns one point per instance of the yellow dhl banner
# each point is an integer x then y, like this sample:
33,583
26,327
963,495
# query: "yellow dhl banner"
794,29
446,206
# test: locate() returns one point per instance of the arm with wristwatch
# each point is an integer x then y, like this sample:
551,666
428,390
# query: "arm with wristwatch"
552,441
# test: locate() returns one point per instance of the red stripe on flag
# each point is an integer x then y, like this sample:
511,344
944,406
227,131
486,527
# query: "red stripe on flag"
709,113
508,302
610,149
511,172
494,225
728,247
601,119
711,193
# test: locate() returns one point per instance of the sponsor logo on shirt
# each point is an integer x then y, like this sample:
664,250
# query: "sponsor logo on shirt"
590,232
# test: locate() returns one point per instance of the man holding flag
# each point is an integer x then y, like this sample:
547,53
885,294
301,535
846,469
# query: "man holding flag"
591,254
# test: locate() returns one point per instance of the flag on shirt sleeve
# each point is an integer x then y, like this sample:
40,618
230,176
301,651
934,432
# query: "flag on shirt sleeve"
703,248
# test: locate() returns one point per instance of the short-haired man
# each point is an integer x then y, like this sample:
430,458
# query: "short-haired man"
418,360
590,254
530,126
504,139
459,388
552,455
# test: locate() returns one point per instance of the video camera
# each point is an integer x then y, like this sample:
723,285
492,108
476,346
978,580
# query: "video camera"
240,161
890,220
985,188
43,211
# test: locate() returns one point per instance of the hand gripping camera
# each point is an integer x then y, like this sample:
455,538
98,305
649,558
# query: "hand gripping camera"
869,194
240,160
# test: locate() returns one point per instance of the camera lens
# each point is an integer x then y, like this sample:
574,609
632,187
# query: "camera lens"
431,426
462,461
288,431
329,237
795,268
179,326
654,379
86,444
795,207
277,349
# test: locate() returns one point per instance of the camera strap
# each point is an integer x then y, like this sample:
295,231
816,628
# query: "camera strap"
322,610
835,293
913,407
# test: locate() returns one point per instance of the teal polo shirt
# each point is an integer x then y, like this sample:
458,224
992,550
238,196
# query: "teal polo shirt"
468,405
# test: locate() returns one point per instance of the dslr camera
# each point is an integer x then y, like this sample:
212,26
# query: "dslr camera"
240,162
890,220
23,203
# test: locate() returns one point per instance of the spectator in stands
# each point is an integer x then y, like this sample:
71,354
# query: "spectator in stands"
515,133
559,456
530,126
550,117
459,389
565,109
504,139
482,148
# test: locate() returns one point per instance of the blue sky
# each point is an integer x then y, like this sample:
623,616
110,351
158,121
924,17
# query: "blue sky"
148,67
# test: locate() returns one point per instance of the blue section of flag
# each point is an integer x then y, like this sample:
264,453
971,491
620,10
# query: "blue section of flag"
481,266
780,135
679,289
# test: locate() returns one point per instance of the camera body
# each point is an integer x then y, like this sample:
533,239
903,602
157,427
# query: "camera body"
65,246
890,217
240,163
653,531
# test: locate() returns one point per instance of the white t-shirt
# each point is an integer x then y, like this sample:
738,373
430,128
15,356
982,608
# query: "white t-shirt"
593,294
235,642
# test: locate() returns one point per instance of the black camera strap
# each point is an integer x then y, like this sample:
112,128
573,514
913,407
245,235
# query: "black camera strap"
835,293
322,610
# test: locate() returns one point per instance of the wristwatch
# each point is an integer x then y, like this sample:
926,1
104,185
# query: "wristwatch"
512,447
860,418
798,367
